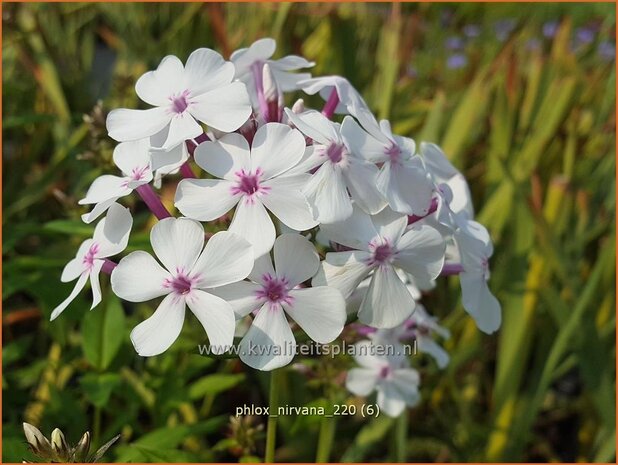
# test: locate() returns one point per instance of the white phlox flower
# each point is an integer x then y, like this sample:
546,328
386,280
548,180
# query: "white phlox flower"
110,237
249,63
189,271
133,160
403,179
390,375
340,174
381,245
421,327
202,90
254,180
273,292
349,102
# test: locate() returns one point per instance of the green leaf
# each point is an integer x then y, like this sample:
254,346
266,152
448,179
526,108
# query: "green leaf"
99,387
214,384
103,331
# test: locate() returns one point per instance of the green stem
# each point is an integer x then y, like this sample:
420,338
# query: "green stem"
401,437
276,378
325,439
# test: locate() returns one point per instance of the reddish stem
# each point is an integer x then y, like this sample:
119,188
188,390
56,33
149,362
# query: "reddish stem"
152,200
432,209
450,269
331,104
108,266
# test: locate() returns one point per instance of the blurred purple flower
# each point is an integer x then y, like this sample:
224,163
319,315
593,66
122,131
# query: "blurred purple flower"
503,28
533,44
607,50
456,61
550,28
584,35
411,71
471,30
454,43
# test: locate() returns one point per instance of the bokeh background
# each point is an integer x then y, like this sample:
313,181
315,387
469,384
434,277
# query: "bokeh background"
521,98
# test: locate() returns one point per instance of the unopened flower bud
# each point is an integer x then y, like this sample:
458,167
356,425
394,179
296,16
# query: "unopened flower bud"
299,106
59,445
82,448
37,442
271,94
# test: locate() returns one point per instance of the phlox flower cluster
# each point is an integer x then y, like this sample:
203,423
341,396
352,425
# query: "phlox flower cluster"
392,215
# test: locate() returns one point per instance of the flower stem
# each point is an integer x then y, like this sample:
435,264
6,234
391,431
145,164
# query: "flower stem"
153,202
276,379
401,436
186,170
331,104
108,266
451,268
325,439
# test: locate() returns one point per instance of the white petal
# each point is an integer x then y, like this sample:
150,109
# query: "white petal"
276,148
263,266
319,311
389,400
432,348
156,334
462,199
225,157
407,188
406,381
205,199
124,124
269,343
206,70
314,125
366,355
296,259
168,158
227,258
240,295
79,285
288,203
177,242
112,232
76,266
105,188
138,278
436,162
387,302
355,232
390,225
360,178
94,283
132,155
225,109
217,318
98,210
291,63
252,222
327,194
260,50
156,87
361,143
182,127
361,381
421,252
343,271
479,302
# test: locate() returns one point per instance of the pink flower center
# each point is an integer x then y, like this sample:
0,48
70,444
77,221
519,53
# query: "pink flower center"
382,253
394,153
137,174
274,290
180,102
91,255
385,372
181,284
335,152
249,184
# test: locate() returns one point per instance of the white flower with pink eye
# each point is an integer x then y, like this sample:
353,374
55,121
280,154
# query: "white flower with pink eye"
110,237
475,249
379,246
273,292
133,160
189,270
202,90
249,63
254,180
339,171
387,373
403,179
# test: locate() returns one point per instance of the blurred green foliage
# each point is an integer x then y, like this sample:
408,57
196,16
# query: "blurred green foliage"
529,119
